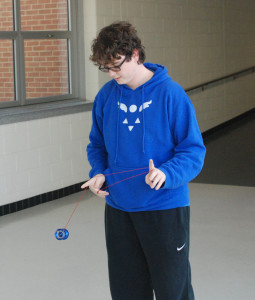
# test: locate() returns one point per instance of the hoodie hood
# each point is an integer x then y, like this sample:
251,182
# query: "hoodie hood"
160,74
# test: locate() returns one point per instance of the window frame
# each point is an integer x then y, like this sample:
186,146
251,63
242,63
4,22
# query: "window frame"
18,37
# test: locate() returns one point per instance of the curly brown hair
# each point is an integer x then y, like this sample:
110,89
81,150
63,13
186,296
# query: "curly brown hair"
119,38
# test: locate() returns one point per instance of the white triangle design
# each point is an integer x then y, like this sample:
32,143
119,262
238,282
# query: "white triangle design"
125,121
137,121
130,127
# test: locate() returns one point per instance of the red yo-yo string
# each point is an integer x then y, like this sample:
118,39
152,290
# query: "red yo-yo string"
123,180
62,234
76,207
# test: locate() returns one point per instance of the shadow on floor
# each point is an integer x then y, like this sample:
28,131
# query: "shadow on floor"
230,157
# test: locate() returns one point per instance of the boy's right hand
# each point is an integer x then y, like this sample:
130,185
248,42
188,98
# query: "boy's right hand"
95,185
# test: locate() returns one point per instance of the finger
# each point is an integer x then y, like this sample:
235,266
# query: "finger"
151,165
159,185
88,183
153,175
93,189
98,192
155,181
102,194
147,179
84,186
99,181
97,185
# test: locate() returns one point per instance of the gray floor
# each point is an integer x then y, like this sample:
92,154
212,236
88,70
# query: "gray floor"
35,266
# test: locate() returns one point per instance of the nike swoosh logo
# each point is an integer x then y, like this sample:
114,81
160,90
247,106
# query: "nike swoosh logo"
179,249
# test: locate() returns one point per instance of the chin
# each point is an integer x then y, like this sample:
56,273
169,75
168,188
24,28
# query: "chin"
120,81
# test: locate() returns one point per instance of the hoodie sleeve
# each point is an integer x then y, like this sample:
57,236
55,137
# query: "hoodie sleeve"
189,152
96,151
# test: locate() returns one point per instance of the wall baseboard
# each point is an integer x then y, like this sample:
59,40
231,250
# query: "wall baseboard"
227,124
75,188
39,199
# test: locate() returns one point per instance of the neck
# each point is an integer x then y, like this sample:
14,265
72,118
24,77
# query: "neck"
142,76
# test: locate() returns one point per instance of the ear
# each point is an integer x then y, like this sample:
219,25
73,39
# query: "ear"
136,55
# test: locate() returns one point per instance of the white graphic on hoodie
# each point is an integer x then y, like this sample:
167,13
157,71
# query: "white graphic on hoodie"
133,108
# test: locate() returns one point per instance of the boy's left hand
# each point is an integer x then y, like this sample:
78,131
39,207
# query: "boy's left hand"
155,178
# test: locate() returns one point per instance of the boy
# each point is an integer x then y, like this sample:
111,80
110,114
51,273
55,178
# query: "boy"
143,118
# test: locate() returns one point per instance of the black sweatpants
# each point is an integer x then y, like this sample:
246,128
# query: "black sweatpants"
148,251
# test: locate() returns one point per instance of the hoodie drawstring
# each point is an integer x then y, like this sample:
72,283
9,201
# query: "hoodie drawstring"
143,119
117,128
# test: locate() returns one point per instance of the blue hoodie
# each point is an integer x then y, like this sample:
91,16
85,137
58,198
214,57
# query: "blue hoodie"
155,121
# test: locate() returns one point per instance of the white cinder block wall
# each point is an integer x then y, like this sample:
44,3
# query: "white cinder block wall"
197,40
42,155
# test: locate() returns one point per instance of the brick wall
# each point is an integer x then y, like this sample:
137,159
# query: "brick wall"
46,67
6,15
46,61
44,15
6,71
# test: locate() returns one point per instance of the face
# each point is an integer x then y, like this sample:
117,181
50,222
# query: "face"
128,70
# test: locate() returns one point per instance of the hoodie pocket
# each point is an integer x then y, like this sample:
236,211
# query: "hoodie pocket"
128,190
126,187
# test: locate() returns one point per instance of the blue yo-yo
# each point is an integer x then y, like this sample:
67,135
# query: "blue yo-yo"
61,234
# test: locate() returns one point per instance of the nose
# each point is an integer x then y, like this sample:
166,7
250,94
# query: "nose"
111,73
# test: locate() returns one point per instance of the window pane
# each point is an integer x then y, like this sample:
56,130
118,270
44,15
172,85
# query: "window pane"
41,15
6,15
46,68
6,71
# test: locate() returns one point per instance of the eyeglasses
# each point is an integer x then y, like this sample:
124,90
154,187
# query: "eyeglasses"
114,69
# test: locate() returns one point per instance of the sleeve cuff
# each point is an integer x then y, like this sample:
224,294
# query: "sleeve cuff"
167,182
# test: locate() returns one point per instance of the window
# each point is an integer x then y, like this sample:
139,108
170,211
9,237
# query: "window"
37,51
